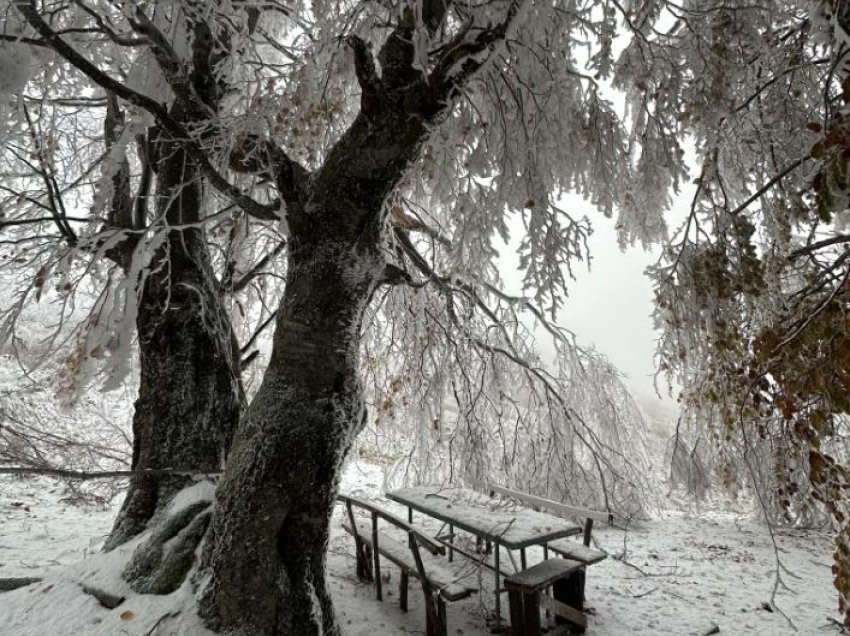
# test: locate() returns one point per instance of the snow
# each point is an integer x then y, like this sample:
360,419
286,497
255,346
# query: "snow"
477,511
40,533
682,574
204,490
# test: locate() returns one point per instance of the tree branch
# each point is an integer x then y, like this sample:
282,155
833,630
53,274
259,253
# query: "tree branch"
173,68
371,86
140,211
236,286
813,247
394,275
267,212
253,154
466,54
120,213
106,474
244,348
110,33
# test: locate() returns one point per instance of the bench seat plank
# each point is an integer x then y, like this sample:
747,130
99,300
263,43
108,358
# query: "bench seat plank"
577,551
542,575
439,576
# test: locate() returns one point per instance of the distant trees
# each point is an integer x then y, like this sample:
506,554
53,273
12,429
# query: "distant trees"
383,150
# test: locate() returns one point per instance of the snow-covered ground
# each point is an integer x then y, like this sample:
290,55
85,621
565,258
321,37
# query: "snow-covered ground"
680,575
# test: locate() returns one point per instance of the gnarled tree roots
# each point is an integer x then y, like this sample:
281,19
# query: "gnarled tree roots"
161,563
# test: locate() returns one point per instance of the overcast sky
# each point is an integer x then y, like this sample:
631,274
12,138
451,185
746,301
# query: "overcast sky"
610,307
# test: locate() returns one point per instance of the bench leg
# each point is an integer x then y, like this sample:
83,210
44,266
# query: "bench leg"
402,591
367,563
517,624
498,597
531,614
546,558
379,593
571,592
364,573
435,617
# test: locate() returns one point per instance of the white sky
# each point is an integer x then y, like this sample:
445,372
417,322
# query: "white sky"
610,307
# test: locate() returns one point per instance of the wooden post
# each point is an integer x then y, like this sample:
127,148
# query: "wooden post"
498,597
588,528
409,514
546,558
359,550
570,591
522,558
451,542
434,626
531,613
402,590
377,559
442,626
368,561
515,600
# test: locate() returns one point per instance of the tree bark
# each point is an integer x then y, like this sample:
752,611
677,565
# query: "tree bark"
190,394
282,475
263,568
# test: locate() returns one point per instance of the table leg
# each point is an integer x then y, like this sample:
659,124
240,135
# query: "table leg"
498,598
377,558
546,558
451,542
522,558
409,515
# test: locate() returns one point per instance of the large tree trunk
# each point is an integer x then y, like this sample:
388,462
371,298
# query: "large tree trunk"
190,394
263,568
282,475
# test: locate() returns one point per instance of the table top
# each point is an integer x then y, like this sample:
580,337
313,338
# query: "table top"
491,519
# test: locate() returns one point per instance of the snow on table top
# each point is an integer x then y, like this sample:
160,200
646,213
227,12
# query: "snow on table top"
491,519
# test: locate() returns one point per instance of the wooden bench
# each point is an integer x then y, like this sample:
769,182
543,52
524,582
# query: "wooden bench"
567,548
439,583
526,596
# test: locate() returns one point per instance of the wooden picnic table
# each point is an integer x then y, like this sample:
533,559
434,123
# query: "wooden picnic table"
511,527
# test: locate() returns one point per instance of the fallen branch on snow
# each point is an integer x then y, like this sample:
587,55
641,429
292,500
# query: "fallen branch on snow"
106,599
7,585
107,474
